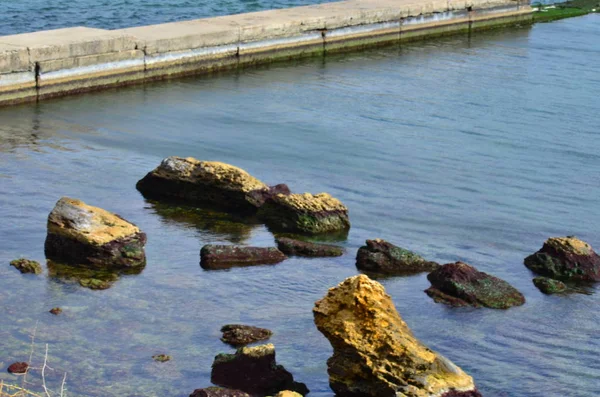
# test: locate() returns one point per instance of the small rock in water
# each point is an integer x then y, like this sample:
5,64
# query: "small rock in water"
566,258
18,368
379,256
254,371
549,286
240,335
56,311
84,235
459,284
225,256
375,353
218,392
305,213
303,248
161,358
288,393
27,266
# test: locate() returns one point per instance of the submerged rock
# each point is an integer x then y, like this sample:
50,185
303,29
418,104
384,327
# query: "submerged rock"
375,353
27,266
240,335
226,256
549,286
254,371
379,256
18,368
303,248
459,284
84,235
218,392
207,182
305,213
92,278
565,258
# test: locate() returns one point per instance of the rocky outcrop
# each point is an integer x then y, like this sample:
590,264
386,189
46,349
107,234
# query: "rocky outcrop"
240,335
549,286
459,284
304,248
218,392
305,213
379,256
375,353
225,256
18,368
566,258
84,235
254,371
207,182
27,266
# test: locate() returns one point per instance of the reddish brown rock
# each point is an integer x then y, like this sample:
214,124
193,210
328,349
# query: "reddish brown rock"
239,335
303,248
56,311
459,284
565,258
225,256
18,368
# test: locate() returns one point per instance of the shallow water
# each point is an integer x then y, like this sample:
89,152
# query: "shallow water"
473,149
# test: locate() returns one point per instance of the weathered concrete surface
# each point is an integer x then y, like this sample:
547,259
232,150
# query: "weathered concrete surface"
44,64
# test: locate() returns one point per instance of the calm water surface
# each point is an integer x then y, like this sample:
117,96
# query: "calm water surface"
473,149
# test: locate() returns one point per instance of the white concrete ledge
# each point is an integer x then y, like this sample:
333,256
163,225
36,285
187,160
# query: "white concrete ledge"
38,65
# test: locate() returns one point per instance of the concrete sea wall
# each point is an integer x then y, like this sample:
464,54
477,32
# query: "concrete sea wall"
35,66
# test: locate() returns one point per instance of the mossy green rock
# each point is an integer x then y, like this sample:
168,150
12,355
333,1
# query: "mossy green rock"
566,258
459,284
380,256
27,266
549,286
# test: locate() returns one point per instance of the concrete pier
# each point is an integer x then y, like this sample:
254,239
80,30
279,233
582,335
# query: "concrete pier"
39,65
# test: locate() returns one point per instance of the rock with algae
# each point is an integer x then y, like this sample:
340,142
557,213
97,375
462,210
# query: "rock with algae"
566,258
549,286
305,213
213,256
380,256
460,284
207,182
218,392
239,335
374,352
254,371
294,247
84,235
27,266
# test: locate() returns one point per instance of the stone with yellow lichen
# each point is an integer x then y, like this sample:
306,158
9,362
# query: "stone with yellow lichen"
374,351
305,213
207,182
83,234
565,258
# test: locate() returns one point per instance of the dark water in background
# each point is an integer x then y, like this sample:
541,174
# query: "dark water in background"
475,149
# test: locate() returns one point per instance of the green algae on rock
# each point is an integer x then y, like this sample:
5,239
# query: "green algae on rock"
565,258
380,256
254,371
207,182
84,235
213,256
91,278
549,286
305,213
375,354
294,247
459,284
27,266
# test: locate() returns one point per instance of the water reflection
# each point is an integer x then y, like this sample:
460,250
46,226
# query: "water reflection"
96,279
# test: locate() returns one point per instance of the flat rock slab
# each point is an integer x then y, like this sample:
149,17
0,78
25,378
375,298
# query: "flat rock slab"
549,286
239,335
303,248
218,392
214,257
305,213
84,235
380,256
459,284
375,354
27,266
566,258
254,371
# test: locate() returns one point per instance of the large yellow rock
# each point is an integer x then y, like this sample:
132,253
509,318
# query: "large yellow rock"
375,353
